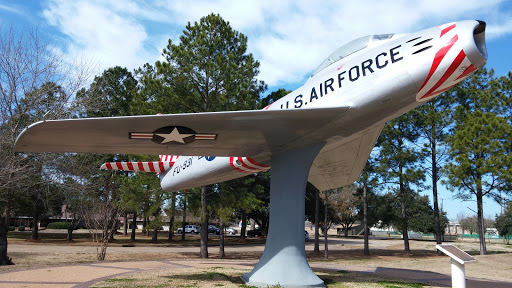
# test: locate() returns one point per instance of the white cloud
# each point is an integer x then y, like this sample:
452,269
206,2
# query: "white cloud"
495,31
10,8
289,38
101,33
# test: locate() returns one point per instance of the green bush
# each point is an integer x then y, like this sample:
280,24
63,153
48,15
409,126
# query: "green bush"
21,228
57,225
11,228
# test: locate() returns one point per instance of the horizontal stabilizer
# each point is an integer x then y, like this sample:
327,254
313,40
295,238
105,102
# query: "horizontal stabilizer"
155,167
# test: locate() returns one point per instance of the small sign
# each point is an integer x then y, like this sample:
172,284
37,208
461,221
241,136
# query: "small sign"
456,254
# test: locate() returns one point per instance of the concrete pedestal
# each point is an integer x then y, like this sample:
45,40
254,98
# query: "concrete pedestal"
284,260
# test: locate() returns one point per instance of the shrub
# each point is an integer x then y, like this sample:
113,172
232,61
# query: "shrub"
21,228
11,228
57,225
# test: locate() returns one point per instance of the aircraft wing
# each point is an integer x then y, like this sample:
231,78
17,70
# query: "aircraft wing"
338,164
237,133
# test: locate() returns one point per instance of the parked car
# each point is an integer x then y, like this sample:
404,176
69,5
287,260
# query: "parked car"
306,235
190,229
230,231
213,229
255,232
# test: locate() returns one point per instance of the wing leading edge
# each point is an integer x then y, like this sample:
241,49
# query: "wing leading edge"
237,133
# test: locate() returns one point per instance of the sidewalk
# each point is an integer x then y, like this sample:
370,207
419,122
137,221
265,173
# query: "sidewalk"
79,276
85,275
427,277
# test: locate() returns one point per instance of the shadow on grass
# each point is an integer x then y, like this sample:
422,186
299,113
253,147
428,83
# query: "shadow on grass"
357,254
216,276
476,252
208,276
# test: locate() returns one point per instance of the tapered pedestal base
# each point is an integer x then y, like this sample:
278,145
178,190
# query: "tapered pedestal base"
284,260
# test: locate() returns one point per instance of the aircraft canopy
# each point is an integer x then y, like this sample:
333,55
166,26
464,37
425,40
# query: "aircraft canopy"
350,48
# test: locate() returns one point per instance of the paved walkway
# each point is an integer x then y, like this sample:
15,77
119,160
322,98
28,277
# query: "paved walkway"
432,278
85,275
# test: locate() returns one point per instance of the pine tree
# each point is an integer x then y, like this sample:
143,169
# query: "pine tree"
480,144
399,162
435,118
209,70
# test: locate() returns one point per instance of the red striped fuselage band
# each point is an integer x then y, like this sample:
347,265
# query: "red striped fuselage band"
155,167
453,67
438,58
247,165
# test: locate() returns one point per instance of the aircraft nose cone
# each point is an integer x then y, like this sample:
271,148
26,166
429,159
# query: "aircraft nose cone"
472,34
479,36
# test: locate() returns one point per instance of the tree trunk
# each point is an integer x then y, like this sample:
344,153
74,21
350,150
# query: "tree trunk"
365,221
405,233
326,246
171,217
146,219
405,226
204,226
125,228
481,229
244,225
134,226
4,259
35,226
8,211
154,239
69,235
171,228
317,221
184,216
345,230
144,224
437,224
107,234
221,242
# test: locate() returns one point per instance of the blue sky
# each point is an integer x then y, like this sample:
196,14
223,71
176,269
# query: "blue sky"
289,38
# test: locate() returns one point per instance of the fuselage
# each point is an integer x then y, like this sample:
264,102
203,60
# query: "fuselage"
376,77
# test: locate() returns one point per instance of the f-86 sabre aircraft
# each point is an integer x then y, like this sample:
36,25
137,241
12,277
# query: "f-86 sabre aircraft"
322,132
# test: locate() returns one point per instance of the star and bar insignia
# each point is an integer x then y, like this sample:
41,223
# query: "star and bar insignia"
172,135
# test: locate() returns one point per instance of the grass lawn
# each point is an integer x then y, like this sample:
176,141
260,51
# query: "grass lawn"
53,250
230,277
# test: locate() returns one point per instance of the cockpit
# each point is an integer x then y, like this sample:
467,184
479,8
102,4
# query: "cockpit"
351,48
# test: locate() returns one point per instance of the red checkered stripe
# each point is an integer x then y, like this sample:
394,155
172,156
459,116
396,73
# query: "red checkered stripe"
247,165
155,166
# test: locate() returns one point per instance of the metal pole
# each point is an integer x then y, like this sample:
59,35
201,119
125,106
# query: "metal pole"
458,275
